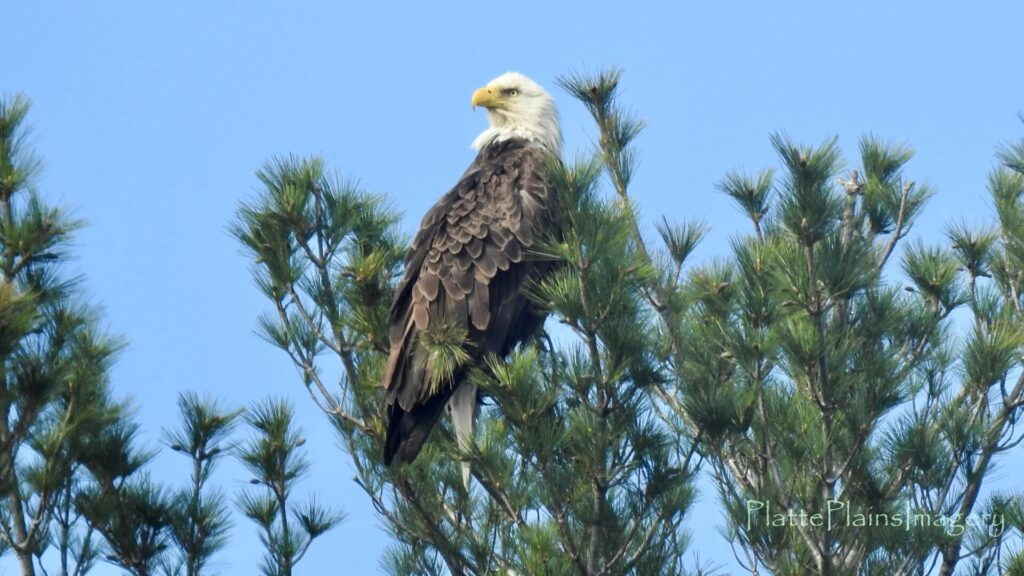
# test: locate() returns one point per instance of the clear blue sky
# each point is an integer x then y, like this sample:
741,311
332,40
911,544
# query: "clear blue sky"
153,116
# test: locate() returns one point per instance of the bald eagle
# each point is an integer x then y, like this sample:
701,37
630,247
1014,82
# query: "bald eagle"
469,264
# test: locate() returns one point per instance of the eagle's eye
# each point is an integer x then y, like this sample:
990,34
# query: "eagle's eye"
510,92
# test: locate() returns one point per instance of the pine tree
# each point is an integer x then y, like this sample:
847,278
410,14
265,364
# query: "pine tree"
54,361
825,382
816,365
199,518
73,473
122,503
275,457
146,527
573,470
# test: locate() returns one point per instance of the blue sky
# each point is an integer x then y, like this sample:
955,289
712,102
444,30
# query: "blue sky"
153,116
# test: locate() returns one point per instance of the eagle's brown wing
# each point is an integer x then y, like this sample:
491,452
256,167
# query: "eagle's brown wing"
467,266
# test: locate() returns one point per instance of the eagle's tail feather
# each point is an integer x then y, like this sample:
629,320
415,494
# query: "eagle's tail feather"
407,431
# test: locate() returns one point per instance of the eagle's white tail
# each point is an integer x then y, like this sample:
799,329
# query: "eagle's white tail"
463,407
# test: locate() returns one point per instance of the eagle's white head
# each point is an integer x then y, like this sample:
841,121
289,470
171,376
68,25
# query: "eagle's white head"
518,107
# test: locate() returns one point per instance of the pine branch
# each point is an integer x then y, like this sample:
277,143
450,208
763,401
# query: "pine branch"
275,458
898,233
617,131
951,551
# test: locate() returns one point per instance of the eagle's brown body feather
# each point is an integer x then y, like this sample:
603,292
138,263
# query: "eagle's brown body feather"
468,265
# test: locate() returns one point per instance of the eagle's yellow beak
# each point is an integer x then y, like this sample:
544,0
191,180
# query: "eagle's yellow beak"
486,97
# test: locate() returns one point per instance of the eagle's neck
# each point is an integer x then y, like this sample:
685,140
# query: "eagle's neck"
542,129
